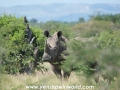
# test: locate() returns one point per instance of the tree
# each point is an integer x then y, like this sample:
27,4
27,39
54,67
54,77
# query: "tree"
81,20
33,20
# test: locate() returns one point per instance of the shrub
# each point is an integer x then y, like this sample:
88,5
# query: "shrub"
92,28
104,50
16,55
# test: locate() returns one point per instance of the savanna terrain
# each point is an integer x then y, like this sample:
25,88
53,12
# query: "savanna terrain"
96,40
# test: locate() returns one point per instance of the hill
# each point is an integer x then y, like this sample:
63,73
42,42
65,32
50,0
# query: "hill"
60,12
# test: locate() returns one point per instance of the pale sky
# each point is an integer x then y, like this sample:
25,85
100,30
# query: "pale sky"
8,3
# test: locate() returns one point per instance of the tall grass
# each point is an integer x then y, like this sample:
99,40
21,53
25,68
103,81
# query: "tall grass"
20,82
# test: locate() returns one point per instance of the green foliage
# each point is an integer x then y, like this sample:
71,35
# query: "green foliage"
109,39
33,20
17,55
115,18
53,26
81,54
92,28
104,49
109,57
81,20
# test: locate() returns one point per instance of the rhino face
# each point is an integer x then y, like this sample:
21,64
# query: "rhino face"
52,46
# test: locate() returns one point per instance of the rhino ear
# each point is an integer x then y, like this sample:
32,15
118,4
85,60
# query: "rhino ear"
59,34
46,33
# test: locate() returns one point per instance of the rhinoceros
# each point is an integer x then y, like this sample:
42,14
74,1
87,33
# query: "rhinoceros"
54,47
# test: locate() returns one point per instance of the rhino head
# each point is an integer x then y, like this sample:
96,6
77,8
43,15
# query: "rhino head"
52,46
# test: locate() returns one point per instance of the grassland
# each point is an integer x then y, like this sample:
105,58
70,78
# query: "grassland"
24,81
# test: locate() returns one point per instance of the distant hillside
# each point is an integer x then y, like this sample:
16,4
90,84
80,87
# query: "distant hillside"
60,12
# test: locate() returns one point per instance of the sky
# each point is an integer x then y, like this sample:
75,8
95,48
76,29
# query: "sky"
9,3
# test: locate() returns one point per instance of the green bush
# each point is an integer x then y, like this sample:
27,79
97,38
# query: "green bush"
115,18
104,50
109,39
92,28
16,55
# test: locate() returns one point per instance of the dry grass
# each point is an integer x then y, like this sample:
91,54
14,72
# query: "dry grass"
19,82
